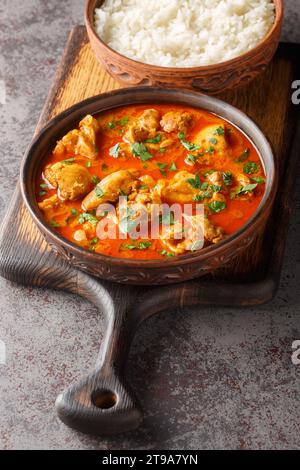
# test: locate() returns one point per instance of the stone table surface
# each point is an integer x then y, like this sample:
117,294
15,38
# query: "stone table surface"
207,378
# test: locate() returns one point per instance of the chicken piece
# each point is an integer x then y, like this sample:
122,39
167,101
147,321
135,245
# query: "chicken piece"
49,203
178,189
215,178
213,143
89,127
80,236
175,121
148,181
213,233
51,172
73,181
110,188
218,197
90,229
80,142
145,127
242,179
189,236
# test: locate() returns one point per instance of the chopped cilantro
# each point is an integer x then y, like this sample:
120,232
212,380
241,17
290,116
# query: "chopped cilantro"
258,179
250,168
155,140
99,192
162,168
243,156
227,178
219,131
54,224
69,161
122,122
95,179
217,206
114,151
87,217
140,150
195,182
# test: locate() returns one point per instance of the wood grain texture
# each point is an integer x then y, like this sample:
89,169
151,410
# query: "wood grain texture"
26,258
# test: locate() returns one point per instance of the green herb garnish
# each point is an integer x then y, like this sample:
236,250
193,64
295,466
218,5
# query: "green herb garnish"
95,179
227,178
114,151
54,224
74,211
215,188
87,217
258,179
138,246
162,168
99,192
219,131
88,164
68,161
250,168
213,141
244,155
173,167
243,189
155,140
123,121
140,150
217,206
195,182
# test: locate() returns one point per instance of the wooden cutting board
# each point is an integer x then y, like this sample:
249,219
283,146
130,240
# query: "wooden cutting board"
103,403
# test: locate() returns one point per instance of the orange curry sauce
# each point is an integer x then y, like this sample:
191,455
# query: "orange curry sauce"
113,125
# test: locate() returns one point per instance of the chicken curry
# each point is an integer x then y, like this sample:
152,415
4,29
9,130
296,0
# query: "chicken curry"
149,155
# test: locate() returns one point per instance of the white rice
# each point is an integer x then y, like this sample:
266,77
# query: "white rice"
183,33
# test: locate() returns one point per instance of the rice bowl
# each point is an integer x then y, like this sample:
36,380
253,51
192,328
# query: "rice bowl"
183,33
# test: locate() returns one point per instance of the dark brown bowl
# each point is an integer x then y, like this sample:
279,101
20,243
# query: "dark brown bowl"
147,271
209,79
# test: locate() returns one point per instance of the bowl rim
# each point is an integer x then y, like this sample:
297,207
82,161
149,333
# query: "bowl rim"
279,8
201,255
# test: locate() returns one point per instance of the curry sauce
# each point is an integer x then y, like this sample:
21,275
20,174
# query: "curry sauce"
163,153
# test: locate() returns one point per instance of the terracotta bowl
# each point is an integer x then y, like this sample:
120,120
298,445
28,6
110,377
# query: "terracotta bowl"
209,79
147,271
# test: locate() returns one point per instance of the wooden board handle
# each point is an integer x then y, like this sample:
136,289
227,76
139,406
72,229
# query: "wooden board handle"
102,403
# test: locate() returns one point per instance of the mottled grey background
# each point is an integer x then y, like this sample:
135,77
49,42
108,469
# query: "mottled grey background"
207,378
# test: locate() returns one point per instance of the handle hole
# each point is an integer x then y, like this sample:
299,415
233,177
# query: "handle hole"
104,399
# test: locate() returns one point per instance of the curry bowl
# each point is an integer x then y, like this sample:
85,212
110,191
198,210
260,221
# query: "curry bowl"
155,271
209,79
